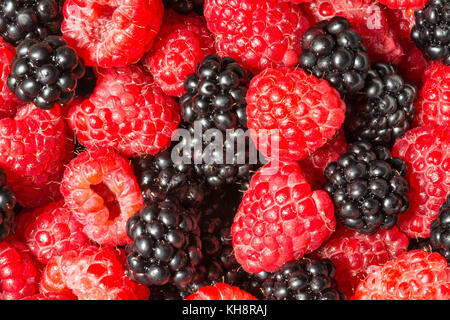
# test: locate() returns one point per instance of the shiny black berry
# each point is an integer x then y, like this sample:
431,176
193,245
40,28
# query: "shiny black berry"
384,110
440,231
30,19
334,51
7,205
45,72
368,188
432,30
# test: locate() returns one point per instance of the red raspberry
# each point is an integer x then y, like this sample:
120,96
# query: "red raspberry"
8,100
280,219
91,273
413,65
402,21
433,104
100,188
127,111
49,296
34,147
182,43
258,34
367,18
298,111
414,275
51,231
220,291
111,33
396,4
314,166
353,253
426,151
19,273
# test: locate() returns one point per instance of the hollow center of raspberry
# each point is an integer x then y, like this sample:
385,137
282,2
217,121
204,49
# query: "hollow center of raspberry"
104,22
109,199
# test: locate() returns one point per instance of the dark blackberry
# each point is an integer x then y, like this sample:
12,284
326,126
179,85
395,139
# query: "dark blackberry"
334,51
45,72
420,244
7,204
440,231
432,30
368,188
384,111
185,6
86,84
303,279
30,19
158,176
166,245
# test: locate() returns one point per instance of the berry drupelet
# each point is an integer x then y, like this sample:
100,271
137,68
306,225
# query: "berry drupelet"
440,231
30,19
334,51
432,30
165,245
385,110
7,204
45,72
368,188
303,279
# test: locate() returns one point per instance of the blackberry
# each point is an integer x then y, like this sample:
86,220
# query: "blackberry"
30,19
368,188
440,231
185,6
385,110
303,279
432,30
7,204
334,51
86,84
158,176
165,244
420,244
45,72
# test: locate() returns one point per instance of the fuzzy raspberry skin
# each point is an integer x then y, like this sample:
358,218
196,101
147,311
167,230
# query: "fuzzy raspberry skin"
19,272
127,111
399,4
91,273
49,296
280,218
258,34
183,42
52,230
414,275
8,100
220,291
100,189
367,18
353,253
111,33
433,104
314,166
305,111
34,148
426,151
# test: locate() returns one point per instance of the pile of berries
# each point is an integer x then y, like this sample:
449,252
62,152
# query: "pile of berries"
224,150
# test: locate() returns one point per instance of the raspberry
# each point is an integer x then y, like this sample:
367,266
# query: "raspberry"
402,21
353,253
426,151
367,18
8,101
100,188
52,230
258,34
221,291
90,273
181,44
314,166
440,231
414,275
413,64
127,111
111,33
19,273
396,4
433,105
280,218
49,296
298,111
34,147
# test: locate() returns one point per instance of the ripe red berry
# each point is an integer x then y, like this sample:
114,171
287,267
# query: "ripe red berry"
396,4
